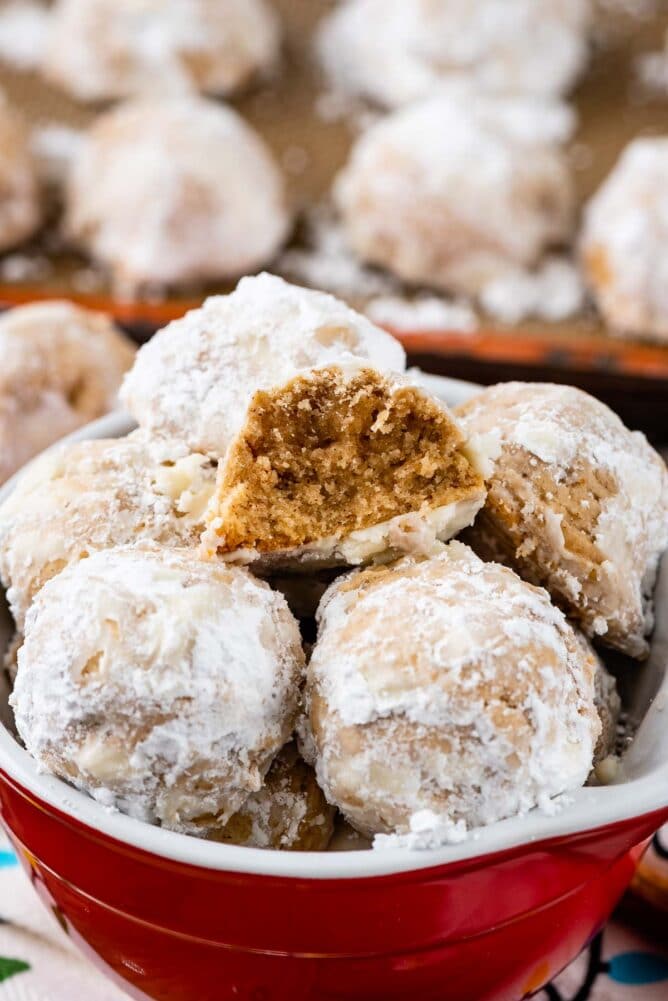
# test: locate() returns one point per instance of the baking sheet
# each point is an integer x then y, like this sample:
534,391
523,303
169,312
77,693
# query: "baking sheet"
612,105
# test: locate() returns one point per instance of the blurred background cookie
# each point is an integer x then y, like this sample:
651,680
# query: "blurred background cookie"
624,239
98,50
61,367
166,191
21,209
394,52
459,189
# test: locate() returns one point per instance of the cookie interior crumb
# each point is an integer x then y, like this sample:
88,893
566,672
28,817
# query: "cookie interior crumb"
330,453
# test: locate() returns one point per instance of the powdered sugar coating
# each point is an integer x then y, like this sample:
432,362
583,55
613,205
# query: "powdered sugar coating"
624,241
459,189
289,812
395,52
172,190
195,378
576,502
102,49
20,200
447,685
23,26
159,684
92,495
554,291
61,367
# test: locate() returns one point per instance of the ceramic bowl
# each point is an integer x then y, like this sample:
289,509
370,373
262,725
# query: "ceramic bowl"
490,919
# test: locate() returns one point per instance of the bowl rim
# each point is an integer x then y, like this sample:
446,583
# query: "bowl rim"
583,810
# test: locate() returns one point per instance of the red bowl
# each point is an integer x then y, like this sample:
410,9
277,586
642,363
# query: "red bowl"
492,918
492,927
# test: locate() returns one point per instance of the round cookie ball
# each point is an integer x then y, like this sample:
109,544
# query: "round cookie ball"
459,189
194,378
159,684
103,49
175,190
20,198
289,813
92,495
447,687
61,367
395,52
576,502
624,242
328,454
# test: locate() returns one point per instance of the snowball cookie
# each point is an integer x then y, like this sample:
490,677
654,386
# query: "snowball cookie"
459,189
92,495
327,454
20,199
158,683
447,687
174,190
102,49
289,812
61,367
394,52
576,502
624,242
